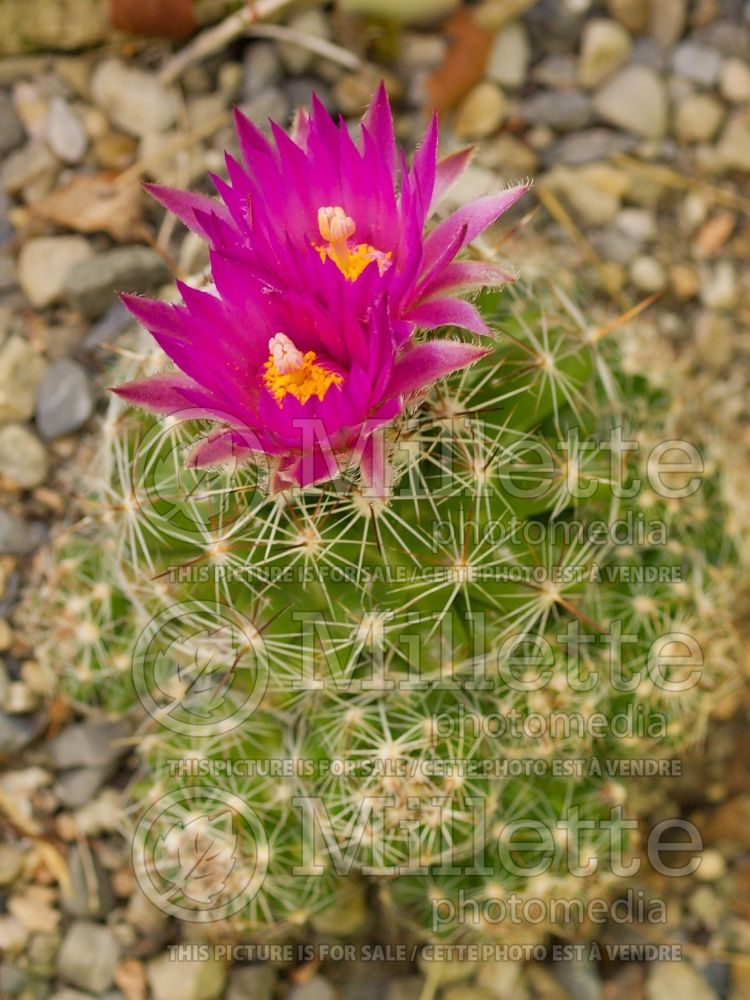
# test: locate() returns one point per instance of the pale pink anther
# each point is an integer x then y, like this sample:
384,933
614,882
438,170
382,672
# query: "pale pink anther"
286,357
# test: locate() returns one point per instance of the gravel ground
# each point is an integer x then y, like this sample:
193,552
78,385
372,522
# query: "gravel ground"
634,118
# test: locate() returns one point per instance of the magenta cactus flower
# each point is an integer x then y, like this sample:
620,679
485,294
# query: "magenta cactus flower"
324,269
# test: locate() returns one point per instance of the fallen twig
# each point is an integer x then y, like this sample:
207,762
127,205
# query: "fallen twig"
321,46
671,178
216,38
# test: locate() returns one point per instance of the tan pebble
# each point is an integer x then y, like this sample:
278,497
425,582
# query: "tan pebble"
698,118
684,281
647,274
482,112
714,234
605,46
634,14
114,151
712,866
735,81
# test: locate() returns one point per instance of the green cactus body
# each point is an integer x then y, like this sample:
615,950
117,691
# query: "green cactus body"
388,686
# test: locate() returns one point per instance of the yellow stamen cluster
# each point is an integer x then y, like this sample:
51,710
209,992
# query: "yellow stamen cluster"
290,372
337,229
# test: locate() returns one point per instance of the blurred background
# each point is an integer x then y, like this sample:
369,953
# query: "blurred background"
633,116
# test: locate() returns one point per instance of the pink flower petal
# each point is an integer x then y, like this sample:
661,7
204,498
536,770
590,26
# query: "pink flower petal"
449,312
475,217
158,393
466,276
447,172
191,208
378,121
223,446
425,363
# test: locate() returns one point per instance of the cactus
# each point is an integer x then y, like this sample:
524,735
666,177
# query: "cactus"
338,693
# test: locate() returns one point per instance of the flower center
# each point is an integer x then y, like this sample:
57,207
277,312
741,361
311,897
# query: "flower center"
290,372
337,229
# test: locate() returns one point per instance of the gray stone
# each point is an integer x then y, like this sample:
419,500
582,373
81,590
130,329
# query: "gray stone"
269,103
646,52
588,147
109,327
557,71
299,91
78,785
728,38
86,755
91,889
132,98
11,862
140,912
6,230
45,263
697,63
667,980
93,743
316,988
11,130
17,538
23,457
616,246
605,46
733,150
88,956
405,988
718,975
32,164
261,67
21,372
635,100
188,979
12,980
555,23
65,134
565,111
251,982
579,978
311,23
91,285
508,62
66,400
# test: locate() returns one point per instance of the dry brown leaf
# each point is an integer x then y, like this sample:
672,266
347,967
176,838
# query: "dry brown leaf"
714,234
170,18
55,864
464,62
34,909
93,203
130,977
